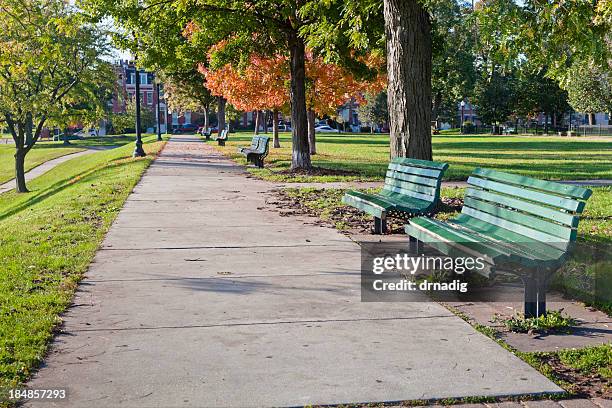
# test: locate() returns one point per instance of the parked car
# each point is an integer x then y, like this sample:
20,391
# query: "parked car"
281,128
326,129
185,128
86,132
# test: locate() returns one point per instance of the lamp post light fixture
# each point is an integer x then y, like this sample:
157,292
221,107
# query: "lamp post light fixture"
462,114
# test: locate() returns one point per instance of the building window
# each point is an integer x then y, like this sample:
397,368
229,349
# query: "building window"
150,98
143,78
131,78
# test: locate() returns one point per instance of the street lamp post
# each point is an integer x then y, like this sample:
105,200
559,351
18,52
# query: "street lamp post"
159,114
462,114
138,150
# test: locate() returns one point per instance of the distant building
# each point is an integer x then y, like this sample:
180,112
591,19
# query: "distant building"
126,90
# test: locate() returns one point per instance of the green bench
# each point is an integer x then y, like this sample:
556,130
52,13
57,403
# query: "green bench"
412,187
517,224
258,150
222,137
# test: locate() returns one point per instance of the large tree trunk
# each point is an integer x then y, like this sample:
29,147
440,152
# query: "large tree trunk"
299,135
206,119
257,117
408,33
20,155
221,113
275,129
312,142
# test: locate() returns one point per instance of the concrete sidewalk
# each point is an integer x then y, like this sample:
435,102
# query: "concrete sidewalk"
201,297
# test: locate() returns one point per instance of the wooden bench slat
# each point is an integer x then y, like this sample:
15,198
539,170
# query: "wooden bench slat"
548,186
415,170
523,230
420,163
529,245
516,217
533,208
426,181
418,188
413,194
532,195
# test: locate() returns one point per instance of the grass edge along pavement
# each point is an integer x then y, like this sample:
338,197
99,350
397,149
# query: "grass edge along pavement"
326,205
365,157
48,238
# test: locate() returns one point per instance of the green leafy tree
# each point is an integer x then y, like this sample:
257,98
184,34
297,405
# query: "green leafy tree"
374,111
590,89
50,66
267,27
495,98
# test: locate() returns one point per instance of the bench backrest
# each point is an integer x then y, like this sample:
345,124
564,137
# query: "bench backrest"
544,211
419,179
262,144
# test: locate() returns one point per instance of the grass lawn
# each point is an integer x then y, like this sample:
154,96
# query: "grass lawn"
45,151
367,156
48,237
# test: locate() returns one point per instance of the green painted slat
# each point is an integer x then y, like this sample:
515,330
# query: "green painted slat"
426,181
404,203
431,191
544,198
536,209
528,245
420,163
517,217
415,170
447,247
474,244
548,186
520,229
414,194
367,203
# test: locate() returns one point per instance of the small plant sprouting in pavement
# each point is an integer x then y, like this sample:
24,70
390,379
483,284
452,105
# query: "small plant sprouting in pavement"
553,321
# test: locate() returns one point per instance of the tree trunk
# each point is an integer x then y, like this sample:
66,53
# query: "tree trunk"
312,142
20,170
437,102
257,116
206,120
265,121
299,135
408,34
591,119
275,129
221,113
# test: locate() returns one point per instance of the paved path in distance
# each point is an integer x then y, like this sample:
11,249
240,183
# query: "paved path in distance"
45,167
201,297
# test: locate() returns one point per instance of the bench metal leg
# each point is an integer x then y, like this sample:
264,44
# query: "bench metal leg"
380,225
535,296
221,142
414,245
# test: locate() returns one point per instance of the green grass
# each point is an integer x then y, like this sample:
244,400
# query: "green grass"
45,150
367,156
48,237
588,360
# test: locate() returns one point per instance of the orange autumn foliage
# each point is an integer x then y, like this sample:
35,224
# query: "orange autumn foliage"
263,84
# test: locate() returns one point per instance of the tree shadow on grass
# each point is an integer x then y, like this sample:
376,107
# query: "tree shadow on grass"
83,177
